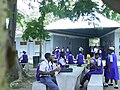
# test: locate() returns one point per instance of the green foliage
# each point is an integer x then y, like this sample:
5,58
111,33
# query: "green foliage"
64,9
35,30
20,20
107,12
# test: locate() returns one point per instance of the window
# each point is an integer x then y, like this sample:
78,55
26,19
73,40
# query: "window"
23,43
37,42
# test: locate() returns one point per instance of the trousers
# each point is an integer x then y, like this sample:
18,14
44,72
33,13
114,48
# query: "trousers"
47,80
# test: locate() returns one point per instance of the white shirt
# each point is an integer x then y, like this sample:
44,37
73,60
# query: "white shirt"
99,62
44,66
53,66
111,57
95,50
62,61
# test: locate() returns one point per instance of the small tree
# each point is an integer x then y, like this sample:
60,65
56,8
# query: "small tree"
35,30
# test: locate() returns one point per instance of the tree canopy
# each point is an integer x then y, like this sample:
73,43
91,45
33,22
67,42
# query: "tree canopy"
72,9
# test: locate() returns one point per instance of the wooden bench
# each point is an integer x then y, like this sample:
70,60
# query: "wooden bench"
38,86
96,82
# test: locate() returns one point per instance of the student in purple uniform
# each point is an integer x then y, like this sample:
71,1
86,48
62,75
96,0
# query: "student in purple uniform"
24,58
111,68
70,58
80,56
62,60
100,51
95,68
67,53
57,52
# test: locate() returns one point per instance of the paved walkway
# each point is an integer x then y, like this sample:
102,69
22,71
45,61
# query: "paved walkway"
112,87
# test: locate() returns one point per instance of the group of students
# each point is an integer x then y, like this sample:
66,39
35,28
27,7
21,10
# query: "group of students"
64,57
47,68
110,69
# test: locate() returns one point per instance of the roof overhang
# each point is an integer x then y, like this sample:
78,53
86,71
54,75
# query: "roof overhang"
85,32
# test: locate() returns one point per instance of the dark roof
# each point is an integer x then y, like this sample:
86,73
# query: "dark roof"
85,32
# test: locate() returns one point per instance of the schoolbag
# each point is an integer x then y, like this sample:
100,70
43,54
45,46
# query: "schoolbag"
37,72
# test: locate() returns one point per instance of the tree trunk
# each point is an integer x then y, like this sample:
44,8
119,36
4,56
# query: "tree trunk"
3,39
16,71
40,54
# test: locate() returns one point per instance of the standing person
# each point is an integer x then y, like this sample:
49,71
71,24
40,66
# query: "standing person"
111,68
24,58
100,51
45,73
80,56
95,68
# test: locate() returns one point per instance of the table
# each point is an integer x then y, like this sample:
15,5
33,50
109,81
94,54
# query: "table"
70,80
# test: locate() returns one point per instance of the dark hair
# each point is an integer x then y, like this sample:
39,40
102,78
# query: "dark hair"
47,55
80,52
97,54
24,52
62,54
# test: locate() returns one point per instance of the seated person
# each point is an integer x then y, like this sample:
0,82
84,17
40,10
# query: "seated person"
80,57
95,68
62,60
45,73
53,66
70,58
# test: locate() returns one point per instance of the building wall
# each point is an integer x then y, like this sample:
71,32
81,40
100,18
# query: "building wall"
117,43
72,42
106,41
60,40
31,48
112,39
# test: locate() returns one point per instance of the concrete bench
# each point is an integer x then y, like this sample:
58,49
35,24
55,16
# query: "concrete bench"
38,86
96,82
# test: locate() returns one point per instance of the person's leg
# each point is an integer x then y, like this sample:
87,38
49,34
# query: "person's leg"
86,77
116,84
106,82
48,82
54,80
111,82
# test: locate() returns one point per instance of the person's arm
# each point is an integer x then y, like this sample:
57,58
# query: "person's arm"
111,62
76,57
43,71
19,59
99,64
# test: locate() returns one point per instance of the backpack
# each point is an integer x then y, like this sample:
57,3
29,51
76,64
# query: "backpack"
37,72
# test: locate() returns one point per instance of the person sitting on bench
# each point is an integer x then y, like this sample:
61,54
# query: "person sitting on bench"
95,68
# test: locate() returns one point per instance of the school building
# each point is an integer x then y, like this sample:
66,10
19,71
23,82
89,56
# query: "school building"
72,38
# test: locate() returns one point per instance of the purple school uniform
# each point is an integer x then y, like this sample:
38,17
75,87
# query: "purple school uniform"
57,54
67,54
80,58
95,70
25,58
113,74
70,59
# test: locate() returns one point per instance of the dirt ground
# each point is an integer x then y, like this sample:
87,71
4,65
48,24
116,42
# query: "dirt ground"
26,84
